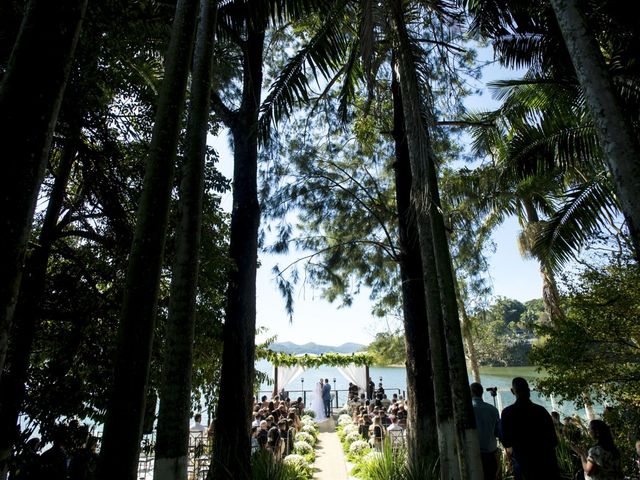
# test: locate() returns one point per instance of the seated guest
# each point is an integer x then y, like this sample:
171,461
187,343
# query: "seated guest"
396,433
255,445
197,426
273,439
402,416
385,402
257,418
263,434
384,419
376,434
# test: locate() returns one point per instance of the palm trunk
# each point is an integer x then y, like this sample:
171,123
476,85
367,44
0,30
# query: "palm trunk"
468,443
12,383
441,381
123,426
172,440
467,336
614,128
550,294
232,448
30,96
422,429
435,253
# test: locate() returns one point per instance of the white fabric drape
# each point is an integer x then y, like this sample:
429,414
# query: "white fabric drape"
287,375
356,375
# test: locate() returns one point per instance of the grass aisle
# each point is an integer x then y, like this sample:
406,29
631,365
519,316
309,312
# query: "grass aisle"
330,462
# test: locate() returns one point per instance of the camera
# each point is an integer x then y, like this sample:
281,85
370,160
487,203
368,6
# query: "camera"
493,391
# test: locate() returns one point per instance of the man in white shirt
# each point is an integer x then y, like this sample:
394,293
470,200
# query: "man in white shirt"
197,426
395,433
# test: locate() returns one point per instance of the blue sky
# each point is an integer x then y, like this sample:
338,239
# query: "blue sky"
316,320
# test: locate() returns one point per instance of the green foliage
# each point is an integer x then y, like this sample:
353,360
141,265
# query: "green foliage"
315,361
264,466
503,332
391,464
507,309
388,349
597,348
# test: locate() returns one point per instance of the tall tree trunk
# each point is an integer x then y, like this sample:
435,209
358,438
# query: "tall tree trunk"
467,336
422,428
615,132
232,448
30,96
433,243
550,294
123,426
469,445
12,383
172,440
441,381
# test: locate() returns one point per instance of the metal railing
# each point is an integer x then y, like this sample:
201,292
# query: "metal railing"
338,396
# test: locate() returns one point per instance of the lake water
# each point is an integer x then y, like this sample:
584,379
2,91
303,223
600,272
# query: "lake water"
394,381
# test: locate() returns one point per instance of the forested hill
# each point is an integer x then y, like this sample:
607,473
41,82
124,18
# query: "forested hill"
294,349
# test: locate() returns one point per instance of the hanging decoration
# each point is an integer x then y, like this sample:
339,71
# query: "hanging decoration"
315,361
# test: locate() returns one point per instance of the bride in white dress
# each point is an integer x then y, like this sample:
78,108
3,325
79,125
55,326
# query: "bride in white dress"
317,405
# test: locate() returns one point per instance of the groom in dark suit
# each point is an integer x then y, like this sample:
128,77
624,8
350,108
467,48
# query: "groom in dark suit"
326,397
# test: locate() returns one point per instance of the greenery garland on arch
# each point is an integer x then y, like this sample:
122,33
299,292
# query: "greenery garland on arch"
314,361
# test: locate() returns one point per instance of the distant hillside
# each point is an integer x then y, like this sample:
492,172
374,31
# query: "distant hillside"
294,349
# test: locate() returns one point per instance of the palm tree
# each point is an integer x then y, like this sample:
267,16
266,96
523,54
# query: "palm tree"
123,425
172,440
617,137
529,34
30,96
434,244
546,160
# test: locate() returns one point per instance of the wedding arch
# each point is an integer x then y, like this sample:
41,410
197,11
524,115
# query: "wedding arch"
286,367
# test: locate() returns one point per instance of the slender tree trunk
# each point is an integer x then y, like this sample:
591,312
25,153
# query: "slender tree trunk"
12,383
441,381
614,127
467,336
123,427
232,447
550,294
469,454
433,243
30,96
172,440
422,427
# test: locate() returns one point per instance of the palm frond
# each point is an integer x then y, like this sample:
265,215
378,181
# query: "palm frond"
322,54
585,209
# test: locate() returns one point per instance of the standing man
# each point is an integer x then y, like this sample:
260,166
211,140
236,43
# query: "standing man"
529,437
326,397
487,421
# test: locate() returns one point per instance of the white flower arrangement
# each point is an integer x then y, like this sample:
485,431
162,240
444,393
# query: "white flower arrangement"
306,417
352,437
371,457
302,447
344,420
350,428
358,447
305,437
297,460
310,429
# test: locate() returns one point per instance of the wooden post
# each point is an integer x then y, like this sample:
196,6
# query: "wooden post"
275,381
366,382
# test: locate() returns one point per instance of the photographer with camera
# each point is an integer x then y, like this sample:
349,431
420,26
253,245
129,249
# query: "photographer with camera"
487,424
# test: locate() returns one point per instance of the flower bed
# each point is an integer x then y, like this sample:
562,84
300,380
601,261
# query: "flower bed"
304,454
